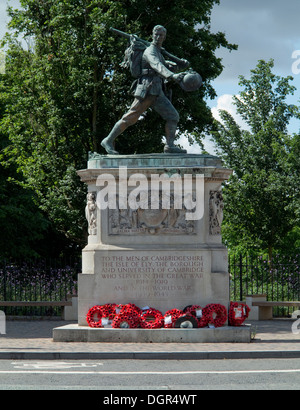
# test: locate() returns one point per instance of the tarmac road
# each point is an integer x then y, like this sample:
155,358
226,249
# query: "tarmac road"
151,380
33,340
30,360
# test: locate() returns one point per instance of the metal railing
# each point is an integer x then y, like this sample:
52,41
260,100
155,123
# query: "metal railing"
37,280
55,280
279,278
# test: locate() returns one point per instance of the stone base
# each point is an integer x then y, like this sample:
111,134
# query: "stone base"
226,334
164,279
146,245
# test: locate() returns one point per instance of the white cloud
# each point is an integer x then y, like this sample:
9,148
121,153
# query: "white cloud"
225,102
209,146
184,143
195,148
262,30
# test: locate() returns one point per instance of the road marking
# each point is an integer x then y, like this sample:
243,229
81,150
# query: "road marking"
167,373
53,365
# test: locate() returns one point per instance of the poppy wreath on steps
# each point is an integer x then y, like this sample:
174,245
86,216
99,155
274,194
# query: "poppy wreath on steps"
129,307
109,310
238,313
127,318
215,314
186,321
95,311
170,317
152,319
197,312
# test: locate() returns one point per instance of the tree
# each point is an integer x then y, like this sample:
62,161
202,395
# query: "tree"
68,89
263,193
22,223
25,229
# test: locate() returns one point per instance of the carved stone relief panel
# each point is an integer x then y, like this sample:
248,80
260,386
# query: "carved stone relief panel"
146,220
91,213
216,206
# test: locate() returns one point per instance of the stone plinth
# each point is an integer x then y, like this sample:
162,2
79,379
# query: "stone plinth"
225,334
162,257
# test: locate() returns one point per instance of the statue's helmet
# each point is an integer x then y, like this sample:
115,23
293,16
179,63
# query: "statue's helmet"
192,81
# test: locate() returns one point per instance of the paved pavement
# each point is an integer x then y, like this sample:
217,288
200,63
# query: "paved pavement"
33,340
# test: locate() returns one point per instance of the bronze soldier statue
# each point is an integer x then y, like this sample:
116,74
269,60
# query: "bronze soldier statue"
150,92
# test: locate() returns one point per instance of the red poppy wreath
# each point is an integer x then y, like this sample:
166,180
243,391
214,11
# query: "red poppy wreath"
170,317
197,312
94,316
215,314
152,319
238,313
128,317
109,310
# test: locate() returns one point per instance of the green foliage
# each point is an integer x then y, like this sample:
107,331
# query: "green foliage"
65,92
22,223
262,196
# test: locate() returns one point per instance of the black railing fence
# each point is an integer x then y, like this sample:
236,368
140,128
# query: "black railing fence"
279,278
37,280
55,280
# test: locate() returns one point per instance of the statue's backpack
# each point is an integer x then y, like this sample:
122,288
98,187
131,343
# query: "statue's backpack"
133,57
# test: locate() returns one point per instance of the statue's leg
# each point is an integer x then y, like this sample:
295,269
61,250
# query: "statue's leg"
130,118
108,142
167,111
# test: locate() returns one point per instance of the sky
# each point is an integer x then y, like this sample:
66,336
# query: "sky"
262,29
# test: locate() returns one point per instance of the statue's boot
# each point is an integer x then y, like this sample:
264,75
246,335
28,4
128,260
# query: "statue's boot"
170,148
108,142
